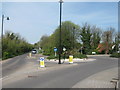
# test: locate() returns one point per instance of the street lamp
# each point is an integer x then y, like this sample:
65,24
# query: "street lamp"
73,36
3,18
60,32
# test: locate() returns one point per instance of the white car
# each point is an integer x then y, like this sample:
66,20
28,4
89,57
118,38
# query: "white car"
34,51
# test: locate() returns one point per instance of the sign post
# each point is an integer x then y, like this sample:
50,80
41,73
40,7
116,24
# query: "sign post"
64,49
42,62
55,50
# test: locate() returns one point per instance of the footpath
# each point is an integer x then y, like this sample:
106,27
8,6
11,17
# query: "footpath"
99,80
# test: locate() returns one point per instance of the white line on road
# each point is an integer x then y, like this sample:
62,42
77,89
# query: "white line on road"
3,77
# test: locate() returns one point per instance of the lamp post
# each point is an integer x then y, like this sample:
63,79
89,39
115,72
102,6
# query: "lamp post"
60,32
7,18
73,36
3,17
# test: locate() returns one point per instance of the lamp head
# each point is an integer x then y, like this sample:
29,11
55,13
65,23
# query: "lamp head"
8,18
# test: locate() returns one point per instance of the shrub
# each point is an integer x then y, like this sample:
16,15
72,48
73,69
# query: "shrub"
78,55
47,54
116,55
52,57
39,51
66,56
13,45
6,55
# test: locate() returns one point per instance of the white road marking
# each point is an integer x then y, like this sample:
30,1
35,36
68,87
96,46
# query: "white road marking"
4,78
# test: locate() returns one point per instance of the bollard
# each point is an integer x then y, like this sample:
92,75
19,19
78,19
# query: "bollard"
42,64
70,59
29,54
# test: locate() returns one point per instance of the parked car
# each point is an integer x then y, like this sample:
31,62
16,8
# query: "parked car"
34,51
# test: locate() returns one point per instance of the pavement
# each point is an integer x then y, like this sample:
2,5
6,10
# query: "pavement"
99,80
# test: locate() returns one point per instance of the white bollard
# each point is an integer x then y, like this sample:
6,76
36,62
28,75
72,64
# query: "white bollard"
30,54
42,64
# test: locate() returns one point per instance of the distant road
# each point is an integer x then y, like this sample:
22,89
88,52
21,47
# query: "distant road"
16,63
65,77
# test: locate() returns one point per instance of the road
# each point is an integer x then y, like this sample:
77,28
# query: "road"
15,64
60,77
12,65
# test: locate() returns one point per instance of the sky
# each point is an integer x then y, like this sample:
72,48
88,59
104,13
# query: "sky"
32,20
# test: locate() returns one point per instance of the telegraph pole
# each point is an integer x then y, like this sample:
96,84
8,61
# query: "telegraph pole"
60,32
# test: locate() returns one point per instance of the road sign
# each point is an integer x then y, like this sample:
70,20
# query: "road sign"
55,49
64,49
41,58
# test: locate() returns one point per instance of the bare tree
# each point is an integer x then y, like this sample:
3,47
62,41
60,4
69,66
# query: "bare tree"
107,38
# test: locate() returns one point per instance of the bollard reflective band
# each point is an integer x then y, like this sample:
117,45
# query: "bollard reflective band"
42,64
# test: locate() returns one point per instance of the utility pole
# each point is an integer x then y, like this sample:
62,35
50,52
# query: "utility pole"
73,36
60,32
2,28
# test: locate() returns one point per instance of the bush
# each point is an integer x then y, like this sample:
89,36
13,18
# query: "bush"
14,45
6,55
116,55
52,57
46,54
78,55
66,56
39,51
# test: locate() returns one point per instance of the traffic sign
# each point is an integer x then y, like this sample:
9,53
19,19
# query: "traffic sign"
55,49
41,58
64,49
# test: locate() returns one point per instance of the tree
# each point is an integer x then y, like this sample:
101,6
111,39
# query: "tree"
69,36
85,36
107,38
45,44
14,45
96,37
116,42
